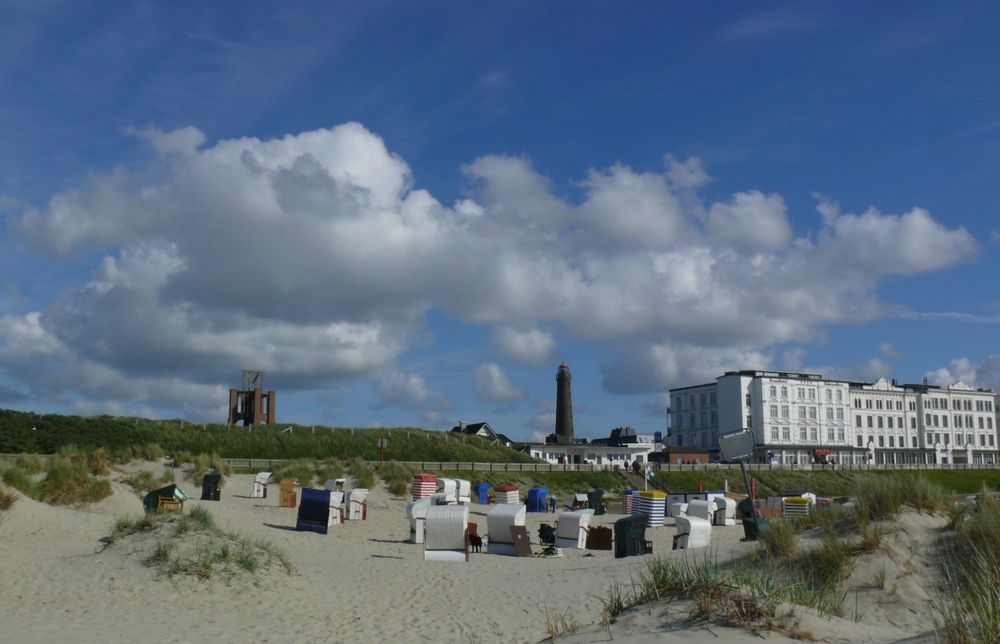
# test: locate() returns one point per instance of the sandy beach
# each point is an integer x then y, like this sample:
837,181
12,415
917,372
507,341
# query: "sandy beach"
362,582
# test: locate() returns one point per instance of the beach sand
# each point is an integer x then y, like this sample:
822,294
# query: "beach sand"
360,583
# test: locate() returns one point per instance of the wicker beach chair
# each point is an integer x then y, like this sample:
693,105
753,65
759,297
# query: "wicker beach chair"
571,531
498,524
446,533
416,513
692,532
259,488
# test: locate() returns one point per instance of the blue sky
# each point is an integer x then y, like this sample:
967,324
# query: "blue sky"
410,213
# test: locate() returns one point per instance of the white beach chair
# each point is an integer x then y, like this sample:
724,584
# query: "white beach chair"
259,488
446,533
678,510
334,485
464,491
448,487
416,512
336,507
572,528
698,509
357,504
692,533
499,521
725,511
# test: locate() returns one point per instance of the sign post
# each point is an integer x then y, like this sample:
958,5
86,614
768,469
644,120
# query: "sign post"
382,443
738,446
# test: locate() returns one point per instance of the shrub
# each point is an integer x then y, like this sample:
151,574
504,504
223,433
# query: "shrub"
303,470
97,462
327,470
202,517
141,481
398,478
204,464
7,500
20,479
871,538
150,452
778,539
363,475
69,482
32,463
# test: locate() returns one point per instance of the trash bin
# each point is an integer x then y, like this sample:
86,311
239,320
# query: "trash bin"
538,499
482,492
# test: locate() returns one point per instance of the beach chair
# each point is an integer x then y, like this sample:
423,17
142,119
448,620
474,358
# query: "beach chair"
416,513
571,531
580,501
168,499
725,511
678,510
334,485
288,498
795,506
595,500
336,507
498,524
448,487
700,510
259,488
630,536
464,491
211,487
357,504
692,532
314,511
446,533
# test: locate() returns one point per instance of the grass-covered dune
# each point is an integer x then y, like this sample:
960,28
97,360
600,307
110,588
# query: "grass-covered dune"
826,482
23,432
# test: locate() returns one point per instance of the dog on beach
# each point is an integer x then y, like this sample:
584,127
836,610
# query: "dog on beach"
476,542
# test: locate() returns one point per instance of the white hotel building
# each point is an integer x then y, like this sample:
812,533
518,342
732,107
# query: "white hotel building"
800,418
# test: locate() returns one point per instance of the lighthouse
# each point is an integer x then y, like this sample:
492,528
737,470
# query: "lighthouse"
564,406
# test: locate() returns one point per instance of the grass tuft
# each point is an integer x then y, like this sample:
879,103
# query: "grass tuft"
69,482
7,500
779,538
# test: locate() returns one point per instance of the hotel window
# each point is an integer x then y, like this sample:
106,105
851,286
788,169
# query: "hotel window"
802,413
857,403
829,396
980,422
774,433
813,435
927,419
879,419
968,439
840,396
990,438
774,391
935,417
784,392
840,434
989,423
982,440
958,422
892,441
829,413
802,393
881,441
870,421
968,421
913,423
913,441
774,411
840,413
861,441
947,439
968,405
830,434
786,434
857,421
784,411
878,404
944,420
868,404
749,421
812,394
812,413
802,434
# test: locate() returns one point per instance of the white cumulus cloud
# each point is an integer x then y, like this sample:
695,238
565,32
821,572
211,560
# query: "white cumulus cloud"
493,385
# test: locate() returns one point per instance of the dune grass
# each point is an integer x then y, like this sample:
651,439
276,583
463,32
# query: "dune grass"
143,481
398,478
970,610
203,464
194,545
364,475
70,482
20,479
778,540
